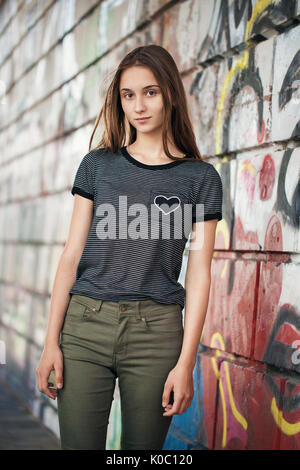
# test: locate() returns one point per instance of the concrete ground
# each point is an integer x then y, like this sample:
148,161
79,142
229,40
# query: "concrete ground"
21,430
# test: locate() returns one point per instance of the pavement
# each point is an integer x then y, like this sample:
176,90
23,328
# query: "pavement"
19,429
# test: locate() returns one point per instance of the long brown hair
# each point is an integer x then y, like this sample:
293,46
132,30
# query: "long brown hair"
176,119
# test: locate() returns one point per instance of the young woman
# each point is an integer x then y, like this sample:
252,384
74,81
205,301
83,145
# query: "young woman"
116,305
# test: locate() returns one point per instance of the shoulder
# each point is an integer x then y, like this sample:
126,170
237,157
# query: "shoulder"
91,157
101,153
203,169
95,154
206,178
211,171
212,178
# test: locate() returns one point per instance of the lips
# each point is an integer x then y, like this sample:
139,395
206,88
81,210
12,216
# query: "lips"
143,119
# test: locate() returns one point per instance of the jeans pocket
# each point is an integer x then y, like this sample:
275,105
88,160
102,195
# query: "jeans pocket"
75,312
85,307
165,322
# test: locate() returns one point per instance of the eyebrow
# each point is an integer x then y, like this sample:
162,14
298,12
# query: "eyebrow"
148,86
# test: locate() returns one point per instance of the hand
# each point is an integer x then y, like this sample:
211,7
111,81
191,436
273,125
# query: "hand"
180,380
51,359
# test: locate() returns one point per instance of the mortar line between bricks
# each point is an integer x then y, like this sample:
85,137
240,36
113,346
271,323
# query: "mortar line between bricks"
250,363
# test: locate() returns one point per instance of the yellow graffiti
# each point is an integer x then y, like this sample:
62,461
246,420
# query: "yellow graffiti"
257,10
247,166
239,64
288,428
217,336
224,414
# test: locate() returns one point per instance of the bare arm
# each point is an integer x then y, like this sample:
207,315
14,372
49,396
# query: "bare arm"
197,285
66,272
65,277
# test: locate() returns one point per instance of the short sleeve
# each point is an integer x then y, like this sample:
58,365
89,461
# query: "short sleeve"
210,197
84,178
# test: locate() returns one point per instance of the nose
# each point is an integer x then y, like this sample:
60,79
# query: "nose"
139,104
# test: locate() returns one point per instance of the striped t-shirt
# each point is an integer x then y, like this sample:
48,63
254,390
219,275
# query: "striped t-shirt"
142,219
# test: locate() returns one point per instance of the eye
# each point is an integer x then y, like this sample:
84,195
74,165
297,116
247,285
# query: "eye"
148,91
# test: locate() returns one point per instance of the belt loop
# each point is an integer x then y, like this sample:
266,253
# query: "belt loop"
138,309
142,315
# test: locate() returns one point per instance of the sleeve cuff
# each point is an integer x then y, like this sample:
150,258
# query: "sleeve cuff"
216,215
80,191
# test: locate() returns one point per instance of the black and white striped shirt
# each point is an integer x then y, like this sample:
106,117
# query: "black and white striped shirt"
142,219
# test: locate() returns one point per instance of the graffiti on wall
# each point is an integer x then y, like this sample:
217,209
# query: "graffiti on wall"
248,317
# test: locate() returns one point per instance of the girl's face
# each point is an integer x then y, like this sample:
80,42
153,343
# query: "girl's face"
141,97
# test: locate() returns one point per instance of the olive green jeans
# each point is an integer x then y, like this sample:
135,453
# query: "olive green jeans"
137,341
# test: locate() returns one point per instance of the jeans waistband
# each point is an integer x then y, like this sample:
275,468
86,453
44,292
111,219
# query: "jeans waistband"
137,308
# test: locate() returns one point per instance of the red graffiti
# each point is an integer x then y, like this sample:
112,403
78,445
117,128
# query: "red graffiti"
266,178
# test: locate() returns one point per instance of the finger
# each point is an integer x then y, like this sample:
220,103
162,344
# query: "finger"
175,407
166,396
168,411
52,388
59,376
44,383
51,393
